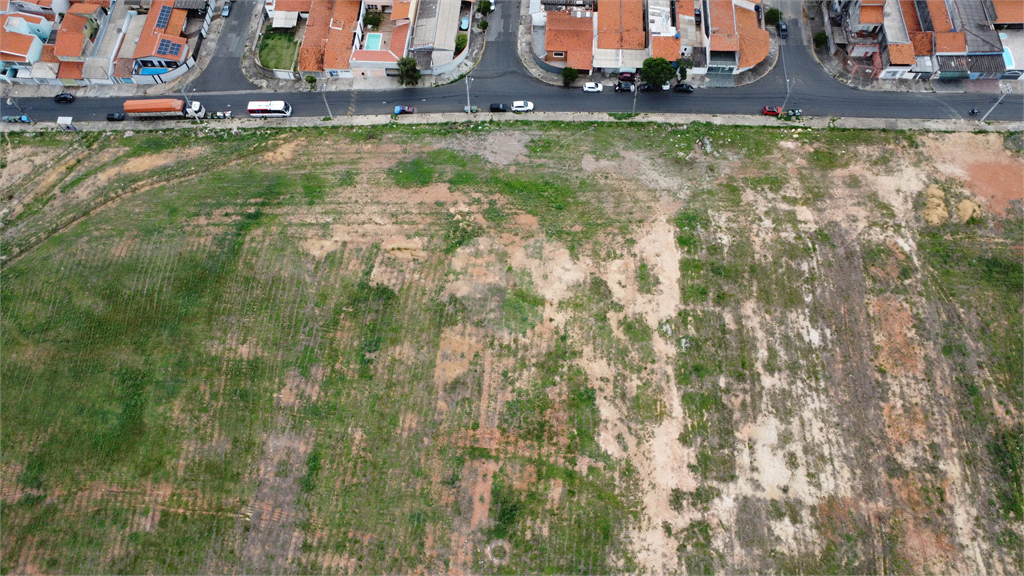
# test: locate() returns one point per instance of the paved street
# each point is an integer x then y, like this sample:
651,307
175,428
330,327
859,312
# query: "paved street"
501,77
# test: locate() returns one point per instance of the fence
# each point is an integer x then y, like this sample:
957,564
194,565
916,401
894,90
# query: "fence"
254,54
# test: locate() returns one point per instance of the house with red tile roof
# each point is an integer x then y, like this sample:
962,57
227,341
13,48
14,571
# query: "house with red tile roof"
378,51
569,39
22,37
343,34
154,49
314,42
738,40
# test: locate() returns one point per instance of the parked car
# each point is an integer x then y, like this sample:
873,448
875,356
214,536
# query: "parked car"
499,108
115,116
225,10
627,77
685,88
522,106
592,87
783,29
666,86
464,23
625,87
696,16
404,110
64,98
645,87
771,110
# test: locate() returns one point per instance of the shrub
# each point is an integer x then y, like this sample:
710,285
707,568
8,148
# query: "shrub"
484,7
483,24
460,43
820,39
372,18
772,16
569,75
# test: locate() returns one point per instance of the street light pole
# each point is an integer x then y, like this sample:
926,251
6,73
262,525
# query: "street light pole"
469,109
188,102
12,102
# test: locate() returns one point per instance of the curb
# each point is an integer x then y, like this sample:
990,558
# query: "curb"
674,119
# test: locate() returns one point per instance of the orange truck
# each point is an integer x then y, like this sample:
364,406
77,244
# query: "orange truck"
163,108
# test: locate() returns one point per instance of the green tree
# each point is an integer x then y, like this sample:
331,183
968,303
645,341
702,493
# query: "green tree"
408,72
460,43
681,69
820,39
569,75
311,80
483,24
772,16
657,71
484,7
372,18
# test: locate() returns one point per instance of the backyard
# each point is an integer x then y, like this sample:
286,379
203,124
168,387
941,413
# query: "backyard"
278,49
509,348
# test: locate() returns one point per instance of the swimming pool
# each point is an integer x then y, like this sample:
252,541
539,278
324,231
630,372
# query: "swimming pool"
373,41
1007,57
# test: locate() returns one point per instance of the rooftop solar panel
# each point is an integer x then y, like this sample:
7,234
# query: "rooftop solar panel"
167,47
163,17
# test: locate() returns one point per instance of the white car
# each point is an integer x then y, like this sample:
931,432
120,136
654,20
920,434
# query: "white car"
665,86
522,106
592,87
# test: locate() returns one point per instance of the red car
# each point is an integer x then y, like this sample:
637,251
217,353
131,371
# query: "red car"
771,110
627,77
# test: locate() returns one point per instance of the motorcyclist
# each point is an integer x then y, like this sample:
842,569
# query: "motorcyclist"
974,111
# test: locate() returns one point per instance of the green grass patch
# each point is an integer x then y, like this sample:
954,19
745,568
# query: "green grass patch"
277,49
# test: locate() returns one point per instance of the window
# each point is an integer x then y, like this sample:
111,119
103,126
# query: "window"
558,54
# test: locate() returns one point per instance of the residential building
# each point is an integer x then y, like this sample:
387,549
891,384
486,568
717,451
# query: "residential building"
49,9
569,39
161,47
738,41
22,37
377,52
621,35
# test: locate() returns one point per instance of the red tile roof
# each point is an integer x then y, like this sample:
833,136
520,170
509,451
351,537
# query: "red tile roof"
666,47
292,5
344,21
1009,11
923,43
71,36
871,15
722,19
86,9
14,46
574,36
70,70
311,54
620,24
684,8
399,37
910,15
940,16
754,42
48,55
901,54
401,9
954,42
149,39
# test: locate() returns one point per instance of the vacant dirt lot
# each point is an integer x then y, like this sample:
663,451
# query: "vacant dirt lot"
484,349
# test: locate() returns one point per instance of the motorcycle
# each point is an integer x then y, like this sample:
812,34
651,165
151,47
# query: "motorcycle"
974,112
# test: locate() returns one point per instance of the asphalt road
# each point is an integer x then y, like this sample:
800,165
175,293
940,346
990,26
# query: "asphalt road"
500,77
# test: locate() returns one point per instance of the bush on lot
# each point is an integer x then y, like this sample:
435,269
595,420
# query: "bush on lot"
408,72
820,39
772,16
484,7
569,75
483,24
373,18
460,43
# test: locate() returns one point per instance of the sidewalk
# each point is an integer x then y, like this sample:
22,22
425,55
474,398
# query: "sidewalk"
676,119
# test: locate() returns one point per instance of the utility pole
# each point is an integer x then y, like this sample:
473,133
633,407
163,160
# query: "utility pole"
188,102
469,109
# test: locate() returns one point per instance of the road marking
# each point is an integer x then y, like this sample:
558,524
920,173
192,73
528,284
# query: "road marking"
352,104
